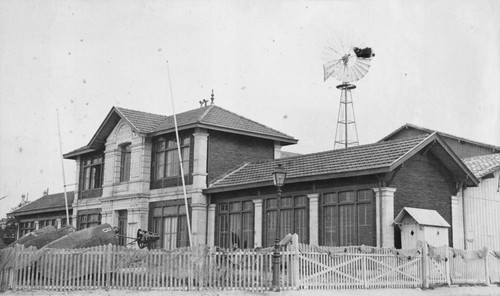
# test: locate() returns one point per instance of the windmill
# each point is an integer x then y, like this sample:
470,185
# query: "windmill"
346,62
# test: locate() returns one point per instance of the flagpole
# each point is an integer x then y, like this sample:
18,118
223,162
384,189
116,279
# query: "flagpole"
62,165
180,159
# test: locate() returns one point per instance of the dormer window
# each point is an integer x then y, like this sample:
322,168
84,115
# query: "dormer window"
166,170
125,162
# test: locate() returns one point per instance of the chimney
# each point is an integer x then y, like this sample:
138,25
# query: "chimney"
22,198
46,192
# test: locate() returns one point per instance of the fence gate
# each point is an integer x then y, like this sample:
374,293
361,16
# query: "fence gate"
331,268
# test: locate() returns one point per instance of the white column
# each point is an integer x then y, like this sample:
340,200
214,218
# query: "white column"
211,225
384,198
257,223
58,223
200,159
37,225
457,224
199,209
313,219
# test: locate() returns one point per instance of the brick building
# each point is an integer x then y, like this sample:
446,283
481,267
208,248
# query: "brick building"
129,175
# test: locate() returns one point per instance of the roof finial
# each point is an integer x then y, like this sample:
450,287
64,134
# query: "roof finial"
212,98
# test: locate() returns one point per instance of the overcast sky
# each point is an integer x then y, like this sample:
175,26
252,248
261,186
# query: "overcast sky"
437,65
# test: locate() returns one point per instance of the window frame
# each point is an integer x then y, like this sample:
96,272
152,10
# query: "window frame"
244,216
84,218
268,208
162,168
182,235
125,161
91,175
336,207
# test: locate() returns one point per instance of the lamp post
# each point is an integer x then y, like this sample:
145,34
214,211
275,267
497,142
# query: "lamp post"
279,176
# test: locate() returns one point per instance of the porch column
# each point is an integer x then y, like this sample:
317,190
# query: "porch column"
313,219
211,225
58,223
199,210
257,223
384,202
37,225
457,223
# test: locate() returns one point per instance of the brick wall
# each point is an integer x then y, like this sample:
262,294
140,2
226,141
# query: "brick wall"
423,182
227,151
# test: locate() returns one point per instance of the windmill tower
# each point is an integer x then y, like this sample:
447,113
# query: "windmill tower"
346,62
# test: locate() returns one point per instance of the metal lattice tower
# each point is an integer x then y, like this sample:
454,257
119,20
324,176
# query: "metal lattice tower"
346,134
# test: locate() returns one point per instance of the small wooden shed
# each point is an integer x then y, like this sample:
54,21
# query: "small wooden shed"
421,225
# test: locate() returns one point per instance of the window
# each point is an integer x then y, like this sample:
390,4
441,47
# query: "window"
122,227
91,175
44,223
235,225
294,218
125,163
166,164
26,227
88,219
170,222
348,218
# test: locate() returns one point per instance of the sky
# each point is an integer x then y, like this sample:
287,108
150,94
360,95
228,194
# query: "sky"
437,66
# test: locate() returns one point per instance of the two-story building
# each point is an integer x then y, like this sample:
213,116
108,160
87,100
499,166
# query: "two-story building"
129,175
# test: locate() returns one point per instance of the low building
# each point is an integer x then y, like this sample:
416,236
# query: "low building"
49,209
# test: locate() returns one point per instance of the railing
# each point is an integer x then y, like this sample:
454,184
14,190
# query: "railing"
202,267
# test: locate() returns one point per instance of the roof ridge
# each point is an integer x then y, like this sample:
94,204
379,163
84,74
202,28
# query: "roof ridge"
253,121
209,108
128,120
349,148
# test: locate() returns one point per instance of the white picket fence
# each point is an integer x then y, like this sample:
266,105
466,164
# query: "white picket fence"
202,267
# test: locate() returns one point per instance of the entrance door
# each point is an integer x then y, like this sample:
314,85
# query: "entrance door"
122,226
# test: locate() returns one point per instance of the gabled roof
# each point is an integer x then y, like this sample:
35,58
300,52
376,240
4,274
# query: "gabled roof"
483,165
210,117
47,203
429,131
422,217
362,160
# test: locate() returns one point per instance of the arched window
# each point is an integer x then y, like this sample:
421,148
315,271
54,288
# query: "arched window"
125,162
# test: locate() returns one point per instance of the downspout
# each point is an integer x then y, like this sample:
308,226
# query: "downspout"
464,221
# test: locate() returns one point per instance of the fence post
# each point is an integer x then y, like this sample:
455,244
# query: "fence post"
295,262
447,266
486,267
425,265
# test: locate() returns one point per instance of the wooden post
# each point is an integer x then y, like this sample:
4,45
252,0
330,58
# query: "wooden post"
295,262
425,265
486,267
447,266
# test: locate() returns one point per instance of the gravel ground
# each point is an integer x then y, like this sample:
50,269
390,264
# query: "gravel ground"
492,290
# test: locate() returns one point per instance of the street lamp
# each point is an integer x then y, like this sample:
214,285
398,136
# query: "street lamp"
279,176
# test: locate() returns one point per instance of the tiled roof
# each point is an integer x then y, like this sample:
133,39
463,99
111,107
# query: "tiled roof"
143,122
354,159
483,165
422,217
54,202
215,116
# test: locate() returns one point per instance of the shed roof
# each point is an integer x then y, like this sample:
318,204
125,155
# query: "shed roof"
48,203
483,165
362,160
210,117
422,217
